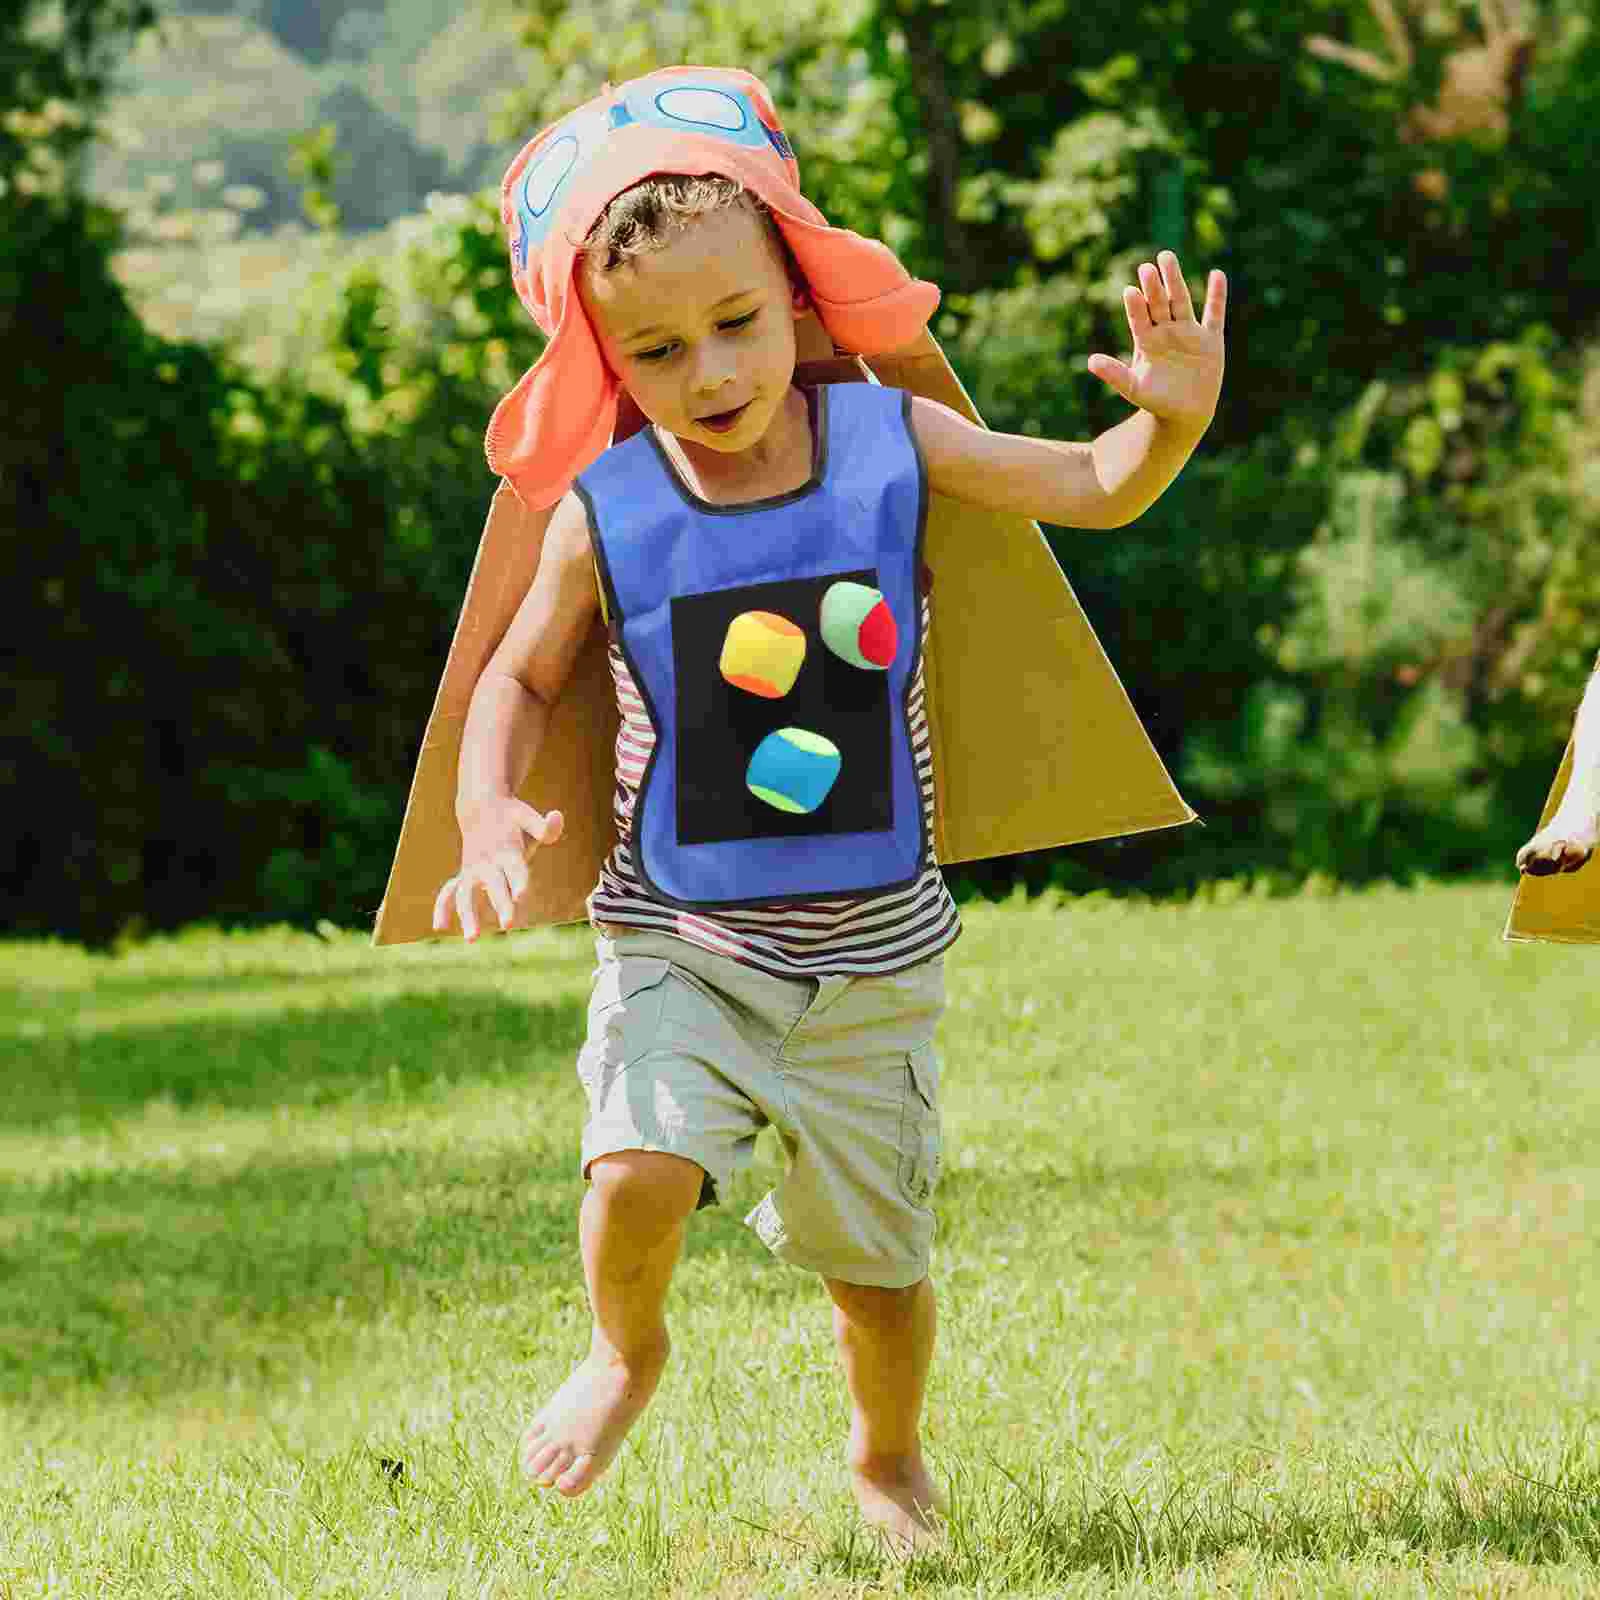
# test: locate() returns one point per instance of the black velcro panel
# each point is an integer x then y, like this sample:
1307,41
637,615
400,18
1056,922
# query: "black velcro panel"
720,726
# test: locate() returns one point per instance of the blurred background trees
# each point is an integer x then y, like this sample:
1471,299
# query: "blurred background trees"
252,269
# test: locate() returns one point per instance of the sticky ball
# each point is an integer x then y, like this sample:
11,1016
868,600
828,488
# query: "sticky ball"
858,626
762,653
793,770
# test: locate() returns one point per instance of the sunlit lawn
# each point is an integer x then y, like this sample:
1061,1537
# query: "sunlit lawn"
1265,1266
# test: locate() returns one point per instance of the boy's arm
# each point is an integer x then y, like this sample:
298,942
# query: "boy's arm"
506,720
1174,380
1102,484
1570,836
529,668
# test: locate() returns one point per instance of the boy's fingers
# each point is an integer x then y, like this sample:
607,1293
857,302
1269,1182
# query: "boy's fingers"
515,870
1113,372
1138,309
517,876
441,907
465,914
497,893
1177,286
529,820
1216,300
1155,291
543,827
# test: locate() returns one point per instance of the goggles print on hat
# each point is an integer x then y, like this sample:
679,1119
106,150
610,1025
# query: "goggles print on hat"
680,120
712,109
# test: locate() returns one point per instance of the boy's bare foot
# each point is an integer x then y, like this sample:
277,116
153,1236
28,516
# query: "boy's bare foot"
900,1500
1563,845
582,1426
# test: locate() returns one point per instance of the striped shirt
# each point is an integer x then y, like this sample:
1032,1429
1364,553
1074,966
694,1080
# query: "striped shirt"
873,933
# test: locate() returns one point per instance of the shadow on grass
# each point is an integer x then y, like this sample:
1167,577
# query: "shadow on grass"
192,1268
118,1001
406,1045
1052,1533
152,1279
531,959
156,1280
166,1275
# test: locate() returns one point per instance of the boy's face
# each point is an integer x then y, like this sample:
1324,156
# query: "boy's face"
701,327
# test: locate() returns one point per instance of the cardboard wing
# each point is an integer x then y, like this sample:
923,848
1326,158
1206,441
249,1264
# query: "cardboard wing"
1035,742
1563,908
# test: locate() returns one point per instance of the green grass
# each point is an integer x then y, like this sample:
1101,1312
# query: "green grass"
1265,1267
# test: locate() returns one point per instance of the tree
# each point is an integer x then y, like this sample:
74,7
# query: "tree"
1481,83
223,654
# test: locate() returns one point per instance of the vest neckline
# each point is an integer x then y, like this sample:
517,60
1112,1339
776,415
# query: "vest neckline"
816,396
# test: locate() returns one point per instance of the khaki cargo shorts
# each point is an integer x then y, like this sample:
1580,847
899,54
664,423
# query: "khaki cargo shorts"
692,1053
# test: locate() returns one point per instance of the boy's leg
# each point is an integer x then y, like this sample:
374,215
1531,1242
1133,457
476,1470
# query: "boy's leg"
632,1227
885,1339
860,1123
667,1075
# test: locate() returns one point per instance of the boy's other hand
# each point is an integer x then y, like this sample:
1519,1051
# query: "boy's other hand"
495,847
1562,845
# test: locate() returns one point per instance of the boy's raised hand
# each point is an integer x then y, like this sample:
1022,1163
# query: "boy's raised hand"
494,858
1176,371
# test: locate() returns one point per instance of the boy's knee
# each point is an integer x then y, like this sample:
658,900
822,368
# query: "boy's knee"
872,1305
647,1185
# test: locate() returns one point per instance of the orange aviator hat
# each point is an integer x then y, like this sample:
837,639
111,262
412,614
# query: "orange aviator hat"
688,120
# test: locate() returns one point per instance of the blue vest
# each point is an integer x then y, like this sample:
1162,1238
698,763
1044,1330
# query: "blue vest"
678,572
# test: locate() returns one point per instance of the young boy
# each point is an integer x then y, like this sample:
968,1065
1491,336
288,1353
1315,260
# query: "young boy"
771,925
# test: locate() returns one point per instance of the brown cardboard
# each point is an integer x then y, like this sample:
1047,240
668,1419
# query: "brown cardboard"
1562,907
1035,742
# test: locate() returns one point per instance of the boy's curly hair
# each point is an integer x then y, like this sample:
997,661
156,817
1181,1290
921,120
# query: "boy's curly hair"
646,216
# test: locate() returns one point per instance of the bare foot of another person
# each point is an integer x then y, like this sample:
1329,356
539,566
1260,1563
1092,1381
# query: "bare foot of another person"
582,1426
1562,845
900,1500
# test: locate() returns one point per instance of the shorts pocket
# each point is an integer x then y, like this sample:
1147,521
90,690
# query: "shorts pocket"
624,1015
920,1143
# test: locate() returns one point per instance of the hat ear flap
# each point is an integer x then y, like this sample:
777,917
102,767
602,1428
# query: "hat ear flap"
559,417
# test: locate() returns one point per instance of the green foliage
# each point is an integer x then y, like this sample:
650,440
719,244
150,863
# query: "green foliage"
1296,182
314,158
235,663
1495,447
1340,763
1440,626
209,90
1386,694
205,89
1092,166
1356,626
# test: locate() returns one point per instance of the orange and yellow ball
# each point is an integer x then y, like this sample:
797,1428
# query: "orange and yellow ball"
762,653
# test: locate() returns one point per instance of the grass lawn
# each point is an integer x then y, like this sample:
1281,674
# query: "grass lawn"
1265,1266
